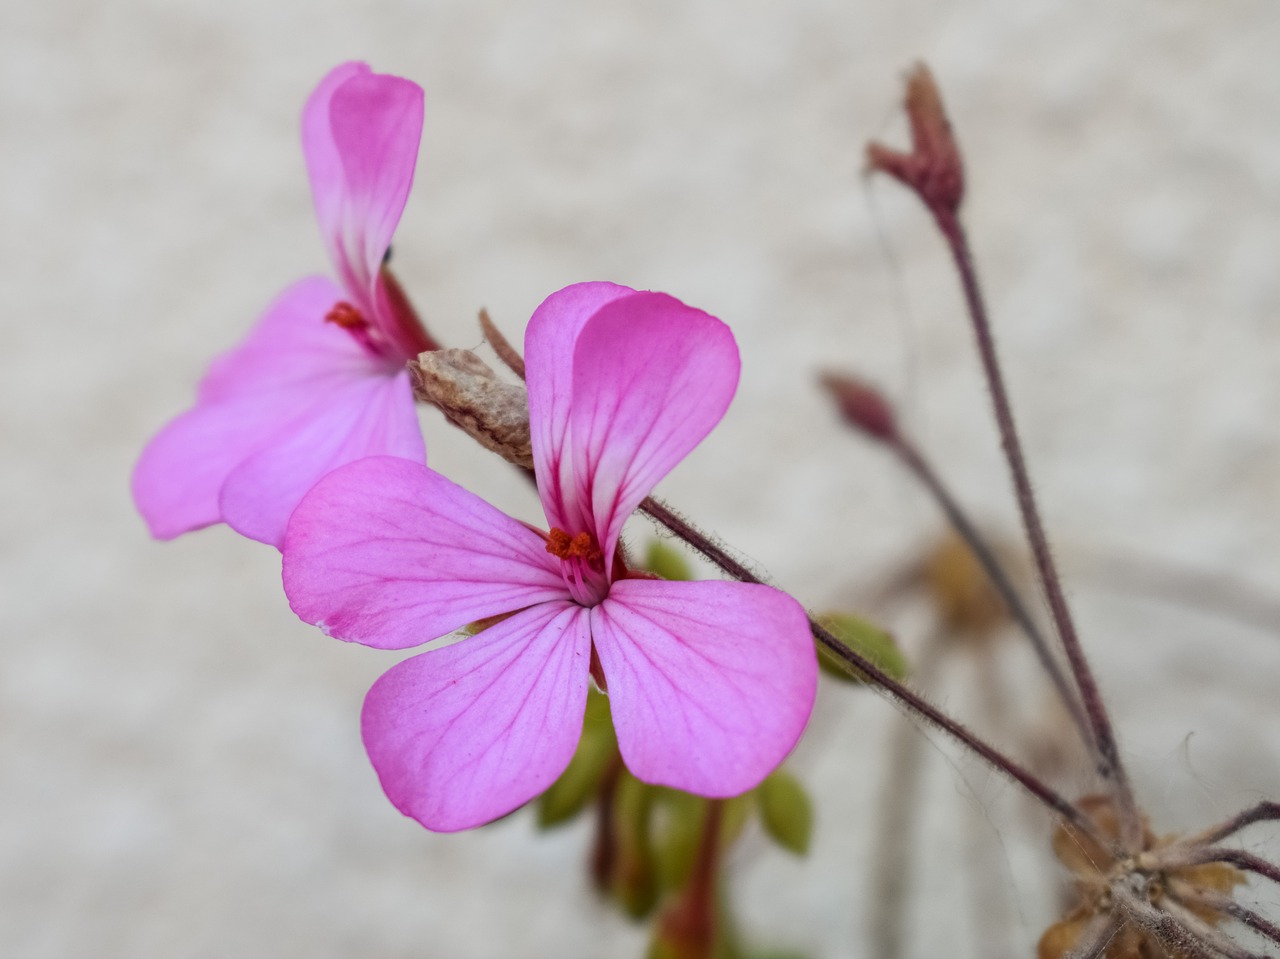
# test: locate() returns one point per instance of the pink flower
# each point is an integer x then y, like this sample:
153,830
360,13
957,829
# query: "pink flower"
711,683
321,380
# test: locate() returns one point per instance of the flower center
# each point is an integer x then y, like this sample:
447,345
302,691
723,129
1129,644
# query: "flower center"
583,547
349,318
581,563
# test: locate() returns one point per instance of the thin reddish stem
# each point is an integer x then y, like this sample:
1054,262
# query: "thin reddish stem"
919,467
1262,812
1099,721
1232,857
1226,905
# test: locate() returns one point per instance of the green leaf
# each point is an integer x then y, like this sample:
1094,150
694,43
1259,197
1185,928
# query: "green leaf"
866,639
667,561
578,784
786,811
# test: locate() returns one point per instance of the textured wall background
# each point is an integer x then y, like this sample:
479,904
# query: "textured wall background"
180,768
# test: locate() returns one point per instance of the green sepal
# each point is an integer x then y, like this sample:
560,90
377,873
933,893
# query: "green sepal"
579,783
667,561
786,812
867,640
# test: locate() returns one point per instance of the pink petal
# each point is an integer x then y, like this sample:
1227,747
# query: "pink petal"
651,378
710,683
360,135
548,344
253,397
462,735
324,164
351,419
391,554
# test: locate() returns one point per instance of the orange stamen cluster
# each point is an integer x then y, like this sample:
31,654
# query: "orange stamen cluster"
346,316
583,546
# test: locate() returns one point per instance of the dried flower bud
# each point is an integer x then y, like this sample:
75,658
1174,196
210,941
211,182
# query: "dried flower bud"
933,168
493,413
862,406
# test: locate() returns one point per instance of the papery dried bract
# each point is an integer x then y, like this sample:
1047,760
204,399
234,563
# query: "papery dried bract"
471,396
1097,874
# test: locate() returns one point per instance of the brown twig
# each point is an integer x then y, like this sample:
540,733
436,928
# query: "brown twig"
501,345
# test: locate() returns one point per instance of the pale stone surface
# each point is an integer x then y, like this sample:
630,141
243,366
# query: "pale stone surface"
180,767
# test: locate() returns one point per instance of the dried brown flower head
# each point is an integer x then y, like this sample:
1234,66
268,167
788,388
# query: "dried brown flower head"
1149,903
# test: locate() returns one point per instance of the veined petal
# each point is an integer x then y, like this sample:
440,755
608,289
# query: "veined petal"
349,420
548,345
651,378
324,164
360,134
290,346
251,398
462,735
390,554
710,683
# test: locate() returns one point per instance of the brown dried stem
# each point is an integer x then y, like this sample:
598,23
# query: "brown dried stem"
1262,812
501,345
1232,857
1181,931
1225,904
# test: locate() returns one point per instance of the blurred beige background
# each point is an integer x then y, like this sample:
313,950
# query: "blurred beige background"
180,767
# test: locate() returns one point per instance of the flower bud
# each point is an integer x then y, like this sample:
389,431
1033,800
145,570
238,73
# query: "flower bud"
862,406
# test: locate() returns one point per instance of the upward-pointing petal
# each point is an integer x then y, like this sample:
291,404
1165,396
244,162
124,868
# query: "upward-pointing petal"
549,342
324,164
651,378
361,132
390,554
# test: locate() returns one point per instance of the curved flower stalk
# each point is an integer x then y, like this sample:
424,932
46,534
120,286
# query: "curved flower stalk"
710,683
321,380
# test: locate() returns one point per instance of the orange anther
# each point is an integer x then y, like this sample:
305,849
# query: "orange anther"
583,546
346,316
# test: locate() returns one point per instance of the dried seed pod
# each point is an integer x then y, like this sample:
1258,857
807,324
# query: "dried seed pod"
1138,892
472,397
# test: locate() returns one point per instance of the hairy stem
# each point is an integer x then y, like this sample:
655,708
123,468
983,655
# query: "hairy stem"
1232,857
1263,811
1189,896
1100,723
915,462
